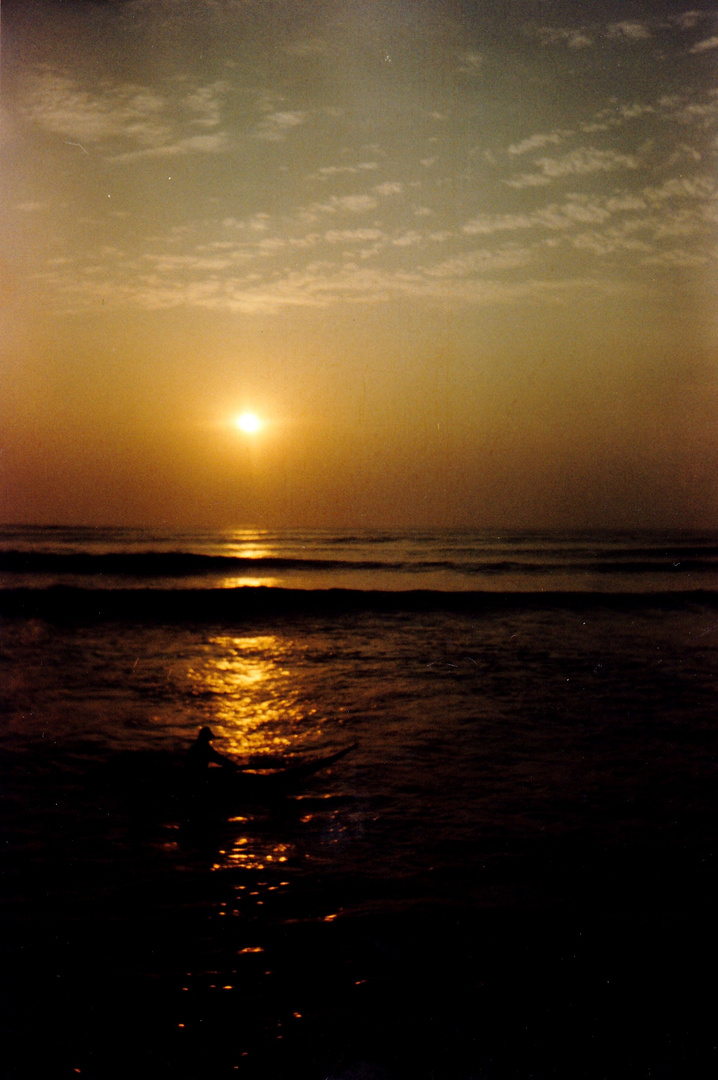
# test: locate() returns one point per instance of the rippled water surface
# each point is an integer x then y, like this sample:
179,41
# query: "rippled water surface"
510,875
446,561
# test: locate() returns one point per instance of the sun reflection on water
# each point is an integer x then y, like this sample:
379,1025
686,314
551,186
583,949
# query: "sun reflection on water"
251,853
250,697
249,582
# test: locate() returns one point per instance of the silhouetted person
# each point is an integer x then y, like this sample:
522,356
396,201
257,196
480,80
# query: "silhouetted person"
201,754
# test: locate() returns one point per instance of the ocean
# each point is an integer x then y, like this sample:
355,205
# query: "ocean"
510,874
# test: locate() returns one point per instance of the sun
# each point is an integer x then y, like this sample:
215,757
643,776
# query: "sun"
249,423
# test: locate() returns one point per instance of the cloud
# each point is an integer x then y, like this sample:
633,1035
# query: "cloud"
698,107
408,239
636,224
206,284
369,242
705,45
632,31
481,261
354,204
258,222
116,113
683,152
244,268
205,144
687,20
308,48
577,209
700,187
527,180
623,30
326,171
470,62
485,224
580,162
603,244
205,103
677,257
632,112
589,160
578,38
391,187
537,142
275,126
333,236
60,106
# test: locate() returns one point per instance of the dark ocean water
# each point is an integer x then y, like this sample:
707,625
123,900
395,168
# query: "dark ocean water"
511,875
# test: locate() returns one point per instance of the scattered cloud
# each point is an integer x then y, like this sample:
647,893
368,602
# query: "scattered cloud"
624,30
148,123
631,223
478,280
60,106
654,205
245,267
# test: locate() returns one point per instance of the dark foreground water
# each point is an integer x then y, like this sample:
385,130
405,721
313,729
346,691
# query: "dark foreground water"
511,876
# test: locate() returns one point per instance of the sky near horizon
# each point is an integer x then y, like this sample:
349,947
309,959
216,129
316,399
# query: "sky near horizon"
459,257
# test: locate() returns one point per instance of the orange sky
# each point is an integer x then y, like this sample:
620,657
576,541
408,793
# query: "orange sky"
461,263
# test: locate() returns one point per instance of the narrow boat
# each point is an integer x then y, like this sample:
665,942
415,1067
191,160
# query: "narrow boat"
155,783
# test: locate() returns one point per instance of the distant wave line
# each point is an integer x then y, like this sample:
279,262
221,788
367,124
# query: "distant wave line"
179,564
68,604
185,564
169,564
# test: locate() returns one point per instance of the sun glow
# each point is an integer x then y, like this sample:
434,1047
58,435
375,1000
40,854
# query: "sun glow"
249,423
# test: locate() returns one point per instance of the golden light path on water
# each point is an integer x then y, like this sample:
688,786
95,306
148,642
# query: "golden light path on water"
253,853
253,701
246,549
251,698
